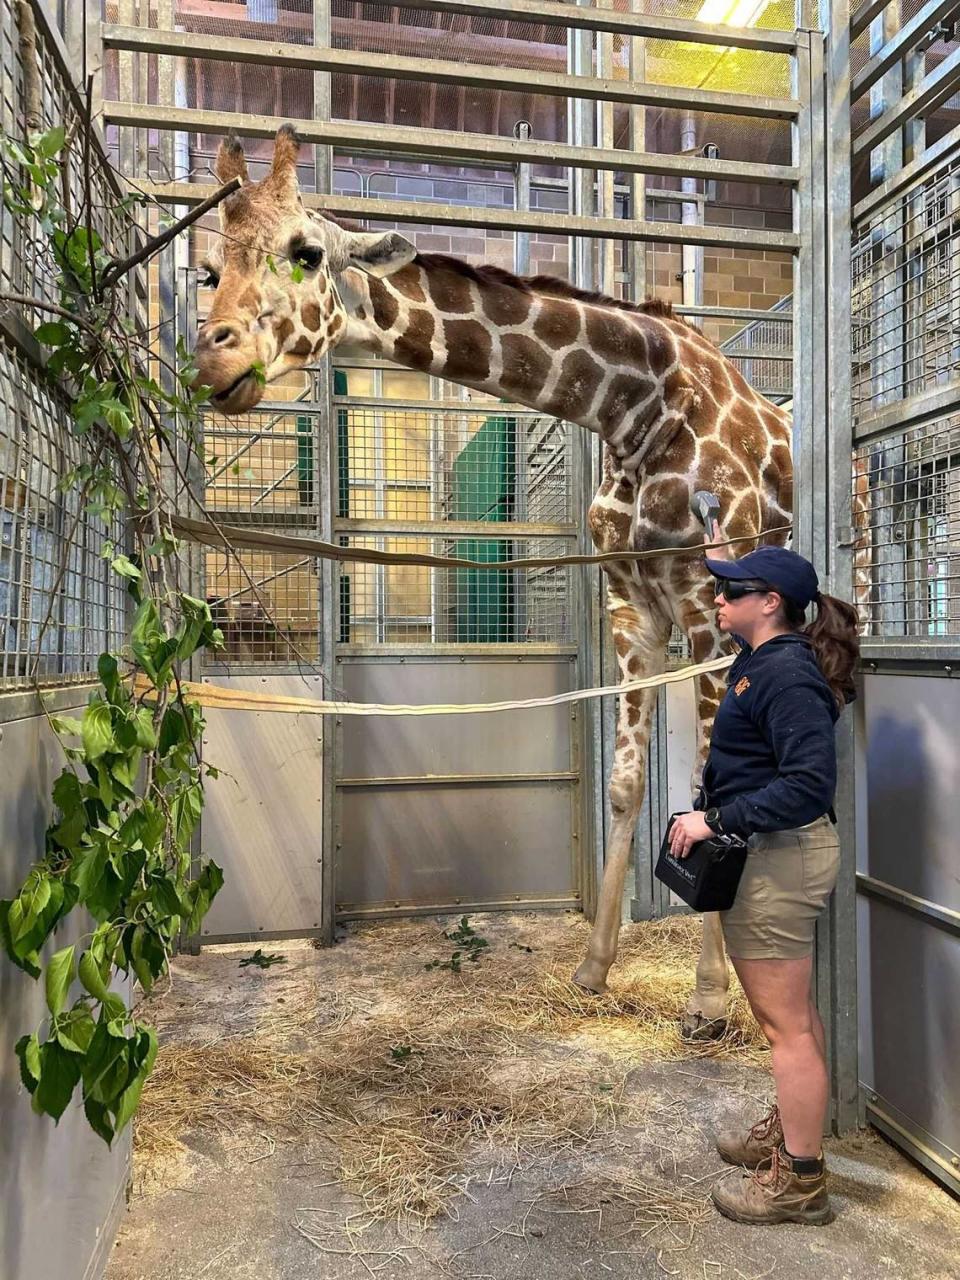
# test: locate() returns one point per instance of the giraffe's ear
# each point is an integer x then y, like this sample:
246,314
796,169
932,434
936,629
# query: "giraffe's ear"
230,161
378,253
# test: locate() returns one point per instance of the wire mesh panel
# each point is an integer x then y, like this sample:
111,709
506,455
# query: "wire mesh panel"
61,604
906,293
412,469
416,604
267,606
912,559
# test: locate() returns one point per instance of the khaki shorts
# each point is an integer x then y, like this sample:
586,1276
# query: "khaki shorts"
787,879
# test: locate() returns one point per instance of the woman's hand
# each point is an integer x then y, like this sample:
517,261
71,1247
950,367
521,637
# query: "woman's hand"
710,547
686,831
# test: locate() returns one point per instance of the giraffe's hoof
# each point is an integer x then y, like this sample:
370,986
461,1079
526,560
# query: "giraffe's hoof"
590,980
694,1028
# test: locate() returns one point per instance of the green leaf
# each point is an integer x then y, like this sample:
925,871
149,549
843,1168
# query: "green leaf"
52,333
146,735
66,725
107,668
97,730
28,1051
144,1054
91,976
50,143
59,1074
75,1031
60,974
98,1117
166,898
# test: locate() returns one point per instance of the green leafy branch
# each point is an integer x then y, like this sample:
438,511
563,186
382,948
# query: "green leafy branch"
127,805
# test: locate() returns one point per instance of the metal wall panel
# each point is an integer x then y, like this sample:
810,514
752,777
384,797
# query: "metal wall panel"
480,811
43,1166
262,818
909,867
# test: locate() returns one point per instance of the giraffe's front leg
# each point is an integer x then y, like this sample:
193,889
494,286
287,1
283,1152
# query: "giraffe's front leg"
640,636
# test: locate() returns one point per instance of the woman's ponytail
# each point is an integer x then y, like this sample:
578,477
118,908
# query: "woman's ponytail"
834,635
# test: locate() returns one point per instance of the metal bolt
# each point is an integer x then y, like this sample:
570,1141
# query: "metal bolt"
339,660
457,901
339,721
948,669
516,897
956,1162
338,845
874,1098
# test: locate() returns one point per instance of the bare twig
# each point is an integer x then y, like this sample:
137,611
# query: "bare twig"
156,243
27,40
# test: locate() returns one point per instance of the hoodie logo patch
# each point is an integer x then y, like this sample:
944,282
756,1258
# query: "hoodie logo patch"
742,685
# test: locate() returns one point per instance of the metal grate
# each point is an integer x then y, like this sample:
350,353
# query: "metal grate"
763,352
910,562
263,465
267,606
420,465
60,602
906,294
411,604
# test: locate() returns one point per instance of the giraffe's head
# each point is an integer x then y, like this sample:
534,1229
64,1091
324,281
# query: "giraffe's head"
278,272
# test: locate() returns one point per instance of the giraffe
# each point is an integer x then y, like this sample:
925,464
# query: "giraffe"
673,413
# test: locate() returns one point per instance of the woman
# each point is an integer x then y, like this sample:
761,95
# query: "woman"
770,778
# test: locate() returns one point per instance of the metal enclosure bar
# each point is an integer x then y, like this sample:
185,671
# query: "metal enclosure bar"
919,26
931,93
656,26
393,66
508,220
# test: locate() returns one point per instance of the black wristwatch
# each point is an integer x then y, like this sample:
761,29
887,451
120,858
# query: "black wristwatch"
711,817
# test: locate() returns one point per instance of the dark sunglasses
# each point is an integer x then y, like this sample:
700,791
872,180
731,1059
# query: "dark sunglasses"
736,589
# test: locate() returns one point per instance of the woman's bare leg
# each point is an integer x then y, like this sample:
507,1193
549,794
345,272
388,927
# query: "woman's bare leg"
779,995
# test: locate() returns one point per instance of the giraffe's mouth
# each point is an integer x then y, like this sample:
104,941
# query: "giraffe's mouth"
220,398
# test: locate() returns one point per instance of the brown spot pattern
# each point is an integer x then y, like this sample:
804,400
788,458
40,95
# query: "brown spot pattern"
469,346
576,387
450,291
310,315
525,365
386,308
412,348
557,324
505,305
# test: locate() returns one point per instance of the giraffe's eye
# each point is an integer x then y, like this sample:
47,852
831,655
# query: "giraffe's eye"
308,256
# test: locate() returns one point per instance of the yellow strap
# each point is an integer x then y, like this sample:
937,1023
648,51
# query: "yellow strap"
223,699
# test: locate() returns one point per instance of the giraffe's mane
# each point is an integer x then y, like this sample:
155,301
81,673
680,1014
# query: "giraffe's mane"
553,286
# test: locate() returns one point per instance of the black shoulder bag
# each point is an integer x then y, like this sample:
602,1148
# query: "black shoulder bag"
708,877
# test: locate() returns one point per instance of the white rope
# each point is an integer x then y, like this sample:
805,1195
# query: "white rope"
219,698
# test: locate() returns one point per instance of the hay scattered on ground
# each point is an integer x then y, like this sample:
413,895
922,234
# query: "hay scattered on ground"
402,1087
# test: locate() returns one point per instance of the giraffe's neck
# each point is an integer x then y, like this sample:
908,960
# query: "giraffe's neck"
615,372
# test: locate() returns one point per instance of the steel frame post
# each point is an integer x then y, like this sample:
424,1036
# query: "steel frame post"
837,932
581,188
822,491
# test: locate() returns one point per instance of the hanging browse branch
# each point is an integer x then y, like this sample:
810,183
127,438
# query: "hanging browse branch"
128,802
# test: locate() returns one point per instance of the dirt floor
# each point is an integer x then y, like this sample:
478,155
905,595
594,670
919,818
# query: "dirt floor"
353,1112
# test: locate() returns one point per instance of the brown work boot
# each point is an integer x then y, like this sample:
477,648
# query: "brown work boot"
775,1193
756,1146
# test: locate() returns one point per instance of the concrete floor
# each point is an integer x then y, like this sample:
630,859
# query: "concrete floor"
227,1207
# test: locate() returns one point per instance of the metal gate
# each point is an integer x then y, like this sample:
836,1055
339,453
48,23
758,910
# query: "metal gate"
906,412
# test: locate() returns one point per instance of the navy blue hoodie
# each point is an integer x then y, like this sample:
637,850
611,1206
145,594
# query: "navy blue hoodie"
773,759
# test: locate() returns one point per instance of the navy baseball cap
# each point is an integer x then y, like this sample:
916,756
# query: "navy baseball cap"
787,572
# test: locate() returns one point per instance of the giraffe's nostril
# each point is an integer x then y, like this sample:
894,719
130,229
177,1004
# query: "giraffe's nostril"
219,336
